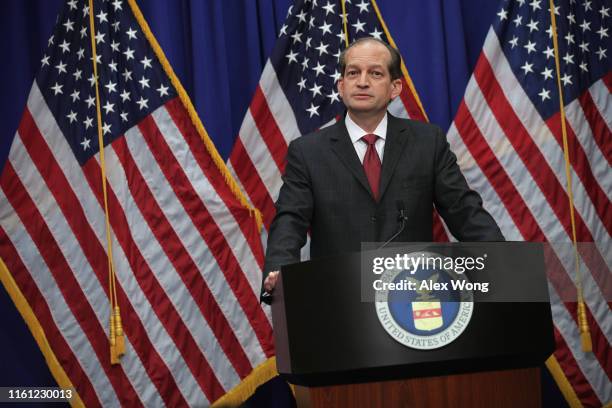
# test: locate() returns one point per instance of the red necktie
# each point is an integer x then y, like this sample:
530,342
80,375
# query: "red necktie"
371,164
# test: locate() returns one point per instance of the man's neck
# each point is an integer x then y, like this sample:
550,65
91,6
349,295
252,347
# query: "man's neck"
367,122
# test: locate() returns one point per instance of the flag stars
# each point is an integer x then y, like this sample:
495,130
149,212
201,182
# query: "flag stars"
587,5
301,16
142,103
117,5
114,46
333,96
527,67
518,21
72,116
73,4
568,58
88,122
325,28
513,42
586,25
98,59
131,33
91,101
106,128
603,32
125,95
85,143
115,26
111,86
102,17
335,76
81,53
146,63
358,26
308,41
533,25
556,10
569,38
604,11
45,60
601,53
283,30
69,25
297,37
363,6
549,52
77,74
549,31
566,79
129,54
50,41
92,79
302,84
163,90
547,73
108,107
85,10
530,47
144,82
75,95
313,110
83,31
329,8
127,75
571,18
322,48
305,63
503,14
311,22
316,90
292,56
57,89
319,69
99,37
583,67
61,68
376,34
124,116
584,46
65,46
535,5
544,94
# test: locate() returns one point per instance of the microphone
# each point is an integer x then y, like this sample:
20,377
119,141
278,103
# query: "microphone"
402,217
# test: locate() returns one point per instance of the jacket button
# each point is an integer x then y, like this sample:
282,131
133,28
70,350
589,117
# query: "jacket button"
373,218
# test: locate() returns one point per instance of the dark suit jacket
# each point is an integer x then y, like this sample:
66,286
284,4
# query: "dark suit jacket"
326,190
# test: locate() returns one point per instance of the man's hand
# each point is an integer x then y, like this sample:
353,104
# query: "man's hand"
270,281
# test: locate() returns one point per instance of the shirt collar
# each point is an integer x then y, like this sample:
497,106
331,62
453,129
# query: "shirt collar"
356,133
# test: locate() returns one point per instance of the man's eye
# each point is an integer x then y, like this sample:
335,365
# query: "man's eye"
376,74
352,73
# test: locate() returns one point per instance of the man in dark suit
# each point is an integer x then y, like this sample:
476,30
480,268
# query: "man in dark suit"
344,182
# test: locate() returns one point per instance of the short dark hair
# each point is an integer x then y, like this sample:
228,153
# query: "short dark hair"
395,64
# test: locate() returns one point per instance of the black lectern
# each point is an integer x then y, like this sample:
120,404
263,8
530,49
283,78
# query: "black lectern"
330,341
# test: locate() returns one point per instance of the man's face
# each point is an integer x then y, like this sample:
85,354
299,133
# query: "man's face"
366,87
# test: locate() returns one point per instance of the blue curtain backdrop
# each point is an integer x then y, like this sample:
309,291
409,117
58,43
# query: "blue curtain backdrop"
218,49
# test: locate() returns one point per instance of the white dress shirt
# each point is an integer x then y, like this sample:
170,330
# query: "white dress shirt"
356,133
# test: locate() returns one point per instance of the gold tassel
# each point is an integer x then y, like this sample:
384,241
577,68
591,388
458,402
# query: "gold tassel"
119,338
113,347
585,334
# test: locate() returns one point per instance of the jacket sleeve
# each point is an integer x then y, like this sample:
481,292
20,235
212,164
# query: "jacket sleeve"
460,206
294,208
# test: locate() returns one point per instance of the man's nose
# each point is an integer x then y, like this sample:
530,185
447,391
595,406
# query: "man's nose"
362,80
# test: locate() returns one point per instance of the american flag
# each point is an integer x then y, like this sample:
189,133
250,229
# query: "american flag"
297,91
186,245
507,136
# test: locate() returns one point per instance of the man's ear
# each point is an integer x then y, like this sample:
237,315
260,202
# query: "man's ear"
396,88
341,86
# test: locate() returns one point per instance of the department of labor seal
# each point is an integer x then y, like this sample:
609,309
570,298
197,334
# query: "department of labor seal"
429,311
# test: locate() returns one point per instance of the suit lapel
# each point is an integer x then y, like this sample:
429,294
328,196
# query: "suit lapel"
342,146
395,144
